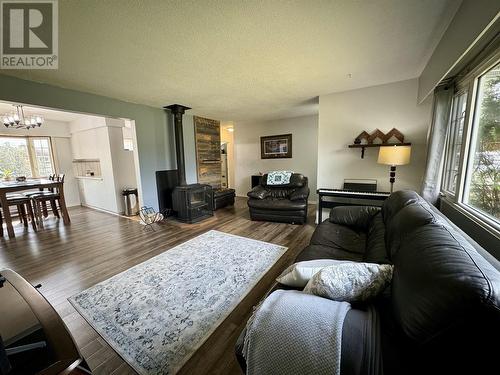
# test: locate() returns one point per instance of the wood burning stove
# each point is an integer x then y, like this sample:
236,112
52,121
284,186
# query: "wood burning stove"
193,202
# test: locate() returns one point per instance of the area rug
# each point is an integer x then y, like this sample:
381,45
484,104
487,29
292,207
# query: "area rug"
156,314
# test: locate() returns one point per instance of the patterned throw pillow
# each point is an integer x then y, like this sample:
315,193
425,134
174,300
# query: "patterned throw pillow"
279,177
298,274
350,281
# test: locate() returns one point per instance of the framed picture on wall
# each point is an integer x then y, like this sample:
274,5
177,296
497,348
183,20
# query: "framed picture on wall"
276,146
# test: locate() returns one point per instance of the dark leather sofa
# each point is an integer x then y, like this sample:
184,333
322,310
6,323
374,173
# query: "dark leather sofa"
441,313
283,203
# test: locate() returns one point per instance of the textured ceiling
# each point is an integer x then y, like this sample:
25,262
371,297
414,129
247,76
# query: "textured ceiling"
241,60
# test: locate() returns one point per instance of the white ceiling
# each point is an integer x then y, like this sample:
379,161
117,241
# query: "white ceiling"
236,60
47,114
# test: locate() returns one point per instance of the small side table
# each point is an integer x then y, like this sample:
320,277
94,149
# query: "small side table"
256,180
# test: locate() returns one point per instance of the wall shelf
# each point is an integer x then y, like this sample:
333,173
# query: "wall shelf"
363,146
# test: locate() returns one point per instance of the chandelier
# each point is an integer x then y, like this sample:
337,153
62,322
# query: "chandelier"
18,120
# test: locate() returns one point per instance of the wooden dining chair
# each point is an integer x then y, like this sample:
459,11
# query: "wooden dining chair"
24,210
42,191
52,196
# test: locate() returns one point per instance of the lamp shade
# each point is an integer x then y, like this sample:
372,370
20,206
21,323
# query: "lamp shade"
394,155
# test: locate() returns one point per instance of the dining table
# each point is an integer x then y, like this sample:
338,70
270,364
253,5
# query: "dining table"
30,184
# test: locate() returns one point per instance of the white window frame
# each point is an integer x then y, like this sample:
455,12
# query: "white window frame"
448,157
470,83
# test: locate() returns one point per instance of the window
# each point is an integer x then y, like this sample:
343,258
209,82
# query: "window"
454,142
482,184
25,156
471,170
42,161
128,144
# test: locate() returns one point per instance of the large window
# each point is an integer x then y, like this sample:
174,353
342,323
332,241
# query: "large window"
25,156
482,184
471,173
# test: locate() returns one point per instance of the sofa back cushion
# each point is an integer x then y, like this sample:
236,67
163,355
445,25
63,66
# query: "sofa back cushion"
375,251
408,218
441,285
396,202
297,180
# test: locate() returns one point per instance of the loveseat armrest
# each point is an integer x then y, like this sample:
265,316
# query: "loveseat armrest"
258,192
300,193
353,216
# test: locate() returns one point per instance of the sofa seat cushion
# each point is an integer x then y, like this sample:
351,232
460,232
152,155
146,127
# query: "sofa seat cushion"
361,343
313,252
339,237
278,204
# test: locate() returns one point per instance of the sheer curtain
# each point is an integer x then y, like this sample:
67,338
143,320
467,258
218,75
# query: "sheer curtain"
436,138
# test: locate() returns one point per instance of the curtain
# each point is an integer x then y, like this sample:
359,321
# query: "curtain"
436,137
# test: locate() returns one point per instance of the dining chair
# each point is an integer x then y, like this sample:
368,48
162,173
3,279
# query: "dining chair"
24,210
49,191
41,198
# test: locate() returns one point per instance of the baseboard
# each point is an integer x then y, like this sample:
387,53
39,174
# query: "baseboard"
102,210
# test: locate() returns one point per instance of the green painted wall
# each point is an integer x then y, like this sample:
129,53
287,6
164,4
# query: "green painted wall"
154,130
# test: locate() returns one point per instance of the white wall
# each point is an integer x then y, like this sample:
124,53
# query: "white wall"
102,138
94,143
227,137
247,150
342,116
63,157
123,164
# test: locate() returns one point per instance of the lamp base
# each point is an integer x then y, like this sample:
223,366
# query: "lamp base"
392,178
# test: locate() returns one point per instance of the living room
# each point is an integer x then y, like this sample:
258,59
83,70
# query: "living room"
314,185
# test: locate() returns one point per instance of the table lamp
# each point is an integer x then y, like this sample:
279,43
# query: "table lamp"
394,155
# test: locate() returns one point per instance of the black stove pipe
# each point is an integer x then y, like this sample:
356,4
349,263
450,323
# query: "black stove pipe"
178,110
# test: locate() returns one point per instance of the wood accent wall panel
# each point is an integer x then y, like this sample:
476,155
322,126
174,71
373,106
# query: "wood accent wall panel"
208,159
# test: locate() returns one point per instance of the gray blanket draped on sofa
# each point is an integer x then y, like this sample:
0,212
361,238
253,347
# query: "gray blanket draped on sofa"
285,332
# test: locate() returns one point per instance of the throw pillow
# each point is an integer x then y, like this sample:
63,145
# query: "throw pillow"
298,274
279,177
350,281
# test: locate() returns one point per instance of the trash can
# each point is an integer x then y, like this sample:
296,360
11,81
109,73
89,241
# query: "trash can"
131,201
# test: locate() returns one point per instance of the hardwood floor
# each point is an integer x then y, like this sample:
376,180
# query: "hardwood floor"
96,246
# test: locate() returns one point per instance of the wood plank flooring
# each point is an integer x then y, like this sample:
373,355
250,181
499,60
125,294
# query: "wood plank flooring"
97,245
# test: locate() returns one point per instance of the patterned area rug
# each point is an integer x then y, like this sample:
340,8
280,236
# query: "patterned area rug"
156,314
